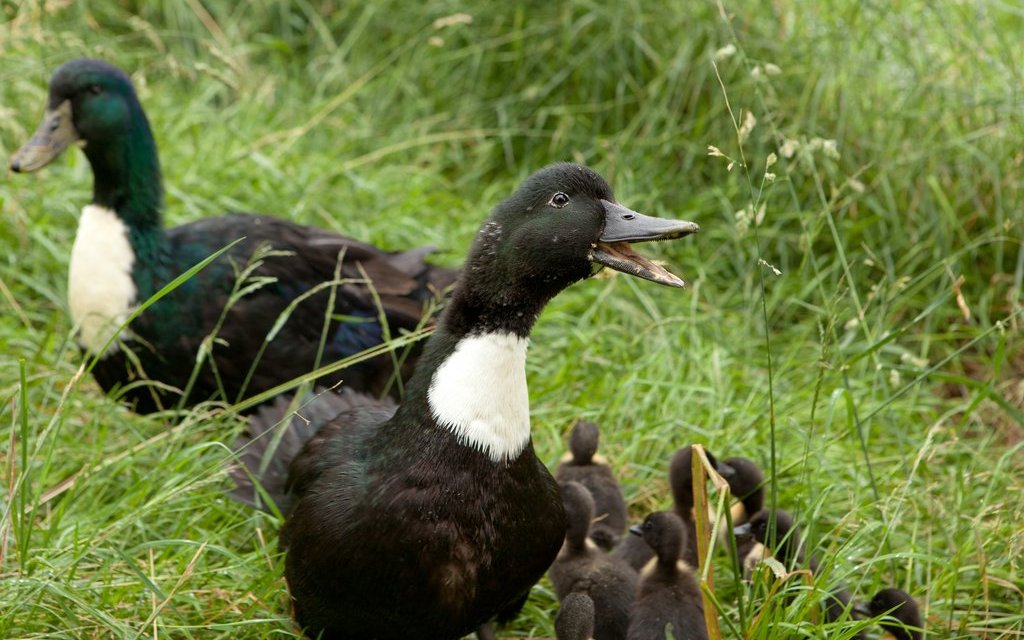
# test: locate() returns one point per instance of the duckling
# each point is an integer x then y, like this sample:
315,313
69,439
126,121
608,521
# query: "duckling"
836,605
123,254
575,619
901,616
746,483
787,549
669,592
590,470
581,567
680,479
438,518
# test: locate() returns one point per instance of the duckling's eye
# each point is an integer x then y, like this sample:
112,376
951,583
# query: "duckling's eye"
95,89
559,200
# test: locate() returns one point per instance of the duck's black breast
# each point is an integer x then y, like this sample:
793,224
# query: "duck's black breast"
430,542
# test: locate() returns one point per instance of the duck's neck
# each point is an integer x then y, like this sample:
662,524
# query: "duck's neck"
126,180
577,542
668,562
472,375
116,258
684,505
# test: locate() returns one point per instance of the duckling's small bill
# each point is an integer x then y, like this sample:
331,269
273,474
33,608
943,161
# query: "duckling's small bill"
55,133
743,531
862,609
624,226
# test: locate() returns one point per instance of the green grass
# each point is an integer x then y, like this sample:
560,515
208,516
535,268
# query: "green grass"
896,420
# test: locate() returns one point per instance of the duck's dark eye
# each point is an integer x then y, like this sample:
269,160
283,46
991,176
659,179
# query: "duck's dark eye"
559,200
95,89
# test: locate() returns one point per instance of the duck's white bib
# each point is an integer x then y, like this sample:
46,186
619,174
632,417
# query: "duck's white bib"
479,394
101,291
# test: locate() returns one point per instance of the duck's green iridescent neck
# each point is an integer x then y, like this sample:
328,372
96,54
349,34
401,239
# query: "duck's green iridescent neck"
126,173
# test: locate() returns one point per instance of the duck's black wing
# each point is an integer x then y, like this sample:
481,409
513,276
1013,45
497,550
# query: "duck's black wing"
273,316
281,451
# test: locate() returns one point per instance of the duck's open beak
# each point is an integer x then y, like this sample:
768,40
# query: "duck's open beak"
53,136
636,530
623,227
862,609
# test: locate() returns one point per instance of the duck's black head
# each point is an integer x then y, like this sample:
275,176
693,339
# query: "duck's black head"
561,222
747,483
579,511
583,442
680,476
664,533
786,535
898,604
94,102
90,100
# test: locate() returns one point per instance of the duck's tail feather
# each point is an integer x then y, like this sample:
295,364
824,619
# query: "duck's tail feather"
275,435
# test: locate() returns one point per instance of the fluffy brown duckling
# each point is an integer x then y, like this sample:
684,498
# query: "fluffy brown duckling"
680,478
901,616
788,549
582,567
669,593
583,465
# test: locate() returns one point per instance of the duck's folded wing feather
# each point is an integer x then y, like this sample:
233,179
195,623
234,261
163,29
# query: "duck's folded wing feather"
281,450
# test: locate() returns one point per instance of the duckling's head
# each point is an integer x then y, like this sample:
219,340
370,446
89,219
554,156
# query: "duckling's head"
557,226
680,476
747,483
583,442
663,532
787,533
90,100
898,604
575,619
579,511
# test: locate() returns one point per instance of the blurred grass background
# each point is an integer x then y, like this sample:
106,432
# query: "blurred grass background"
857,311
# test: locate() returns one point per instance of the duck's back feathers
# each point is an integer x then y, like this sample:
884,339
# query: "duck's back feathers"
269,463
659,606
282,318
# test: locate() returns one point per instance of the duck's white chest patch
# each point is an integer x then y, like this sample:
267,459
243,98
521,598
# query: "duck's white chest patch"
479,393
101,291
